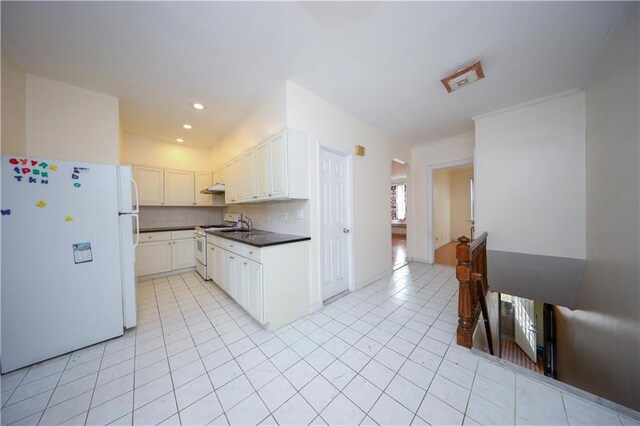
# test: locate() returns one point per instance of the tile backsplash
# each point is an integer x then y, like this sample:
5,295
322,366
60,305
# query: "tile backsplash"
164,217
288,217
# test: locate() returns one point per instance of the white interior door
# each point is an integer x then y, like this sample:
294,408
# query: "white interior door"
525,326
334,232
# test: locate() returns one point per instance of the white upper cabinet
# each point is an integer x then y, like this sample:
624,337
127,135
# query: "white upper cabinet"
276,168
249,177
278,147
203,180
150,185
163,187
226,177
179,188
263,170
234,185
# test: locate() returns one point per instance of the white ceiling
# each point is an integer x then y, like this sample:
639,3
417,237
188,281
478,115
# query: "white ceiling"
381,62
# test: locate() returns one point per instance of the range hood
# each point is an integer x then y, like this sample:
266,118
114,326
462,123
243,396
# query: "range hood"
218,188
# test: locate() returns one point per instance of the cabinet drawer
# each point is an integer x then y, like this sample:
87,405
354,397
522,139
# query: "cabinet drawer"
233,247
179,235
251,252
216,241
154,236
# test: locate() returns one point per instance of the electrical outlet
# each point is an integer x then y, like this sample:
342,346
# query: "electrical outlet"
437,238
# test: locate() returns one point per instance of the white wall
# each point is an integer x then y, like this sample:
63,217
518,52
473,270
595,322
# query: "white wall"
70,123
330,126
599,343
422,157
268,117
164,217
530,178
151,152
14,109
292,106
461,202
287,217
441,207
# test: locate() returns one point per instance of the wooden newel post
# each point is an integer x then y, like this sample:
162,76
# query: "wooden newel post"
464,334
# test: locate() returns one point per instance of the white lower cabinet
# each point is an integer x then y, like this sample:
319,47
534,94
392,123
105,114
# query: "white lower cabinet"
214,259
270,283
153,257
183,253
254,288
160,252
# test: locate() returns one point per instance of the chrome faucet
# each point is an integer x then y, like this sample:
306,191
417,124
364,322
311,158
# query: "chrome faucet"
246,221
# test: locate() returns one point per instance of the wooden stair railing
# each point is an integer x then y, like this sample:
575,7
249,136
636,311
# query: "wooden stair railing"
471,272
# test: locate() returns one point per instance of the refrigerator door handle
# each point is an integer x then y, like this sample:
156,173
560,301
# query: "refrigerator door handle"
137,230
137,206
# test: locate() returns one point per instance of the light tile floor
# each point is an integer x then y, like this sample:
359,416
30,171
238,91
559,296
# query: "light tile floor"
380,355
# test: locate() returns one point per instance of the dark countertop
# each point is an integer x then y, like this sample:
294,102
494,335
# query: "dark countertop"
258,238
174,228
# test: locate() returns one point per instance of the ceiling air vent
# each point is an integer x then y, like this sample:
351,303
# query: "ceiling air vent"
463,77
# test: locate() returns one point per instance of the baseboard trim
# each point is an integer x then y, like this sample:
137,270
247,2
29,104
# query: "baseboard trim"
366,282
164,274
315,308
441,245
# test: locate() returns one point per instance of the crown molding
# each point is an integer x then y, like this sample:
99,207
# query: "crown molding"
528,103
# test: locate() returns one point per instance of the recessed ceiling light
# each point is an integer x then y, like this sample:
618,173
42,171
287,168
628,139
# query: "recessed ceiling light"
198,106
187,126
179,140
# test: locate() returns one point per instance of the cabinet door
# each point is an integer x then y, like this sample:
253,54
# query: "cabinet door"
250,176
240,281
150,185
263,171
221,264
278,153
212,268
183,253
254,289
179,188
203,181
226,175
234,184
230,270
237,171
153,257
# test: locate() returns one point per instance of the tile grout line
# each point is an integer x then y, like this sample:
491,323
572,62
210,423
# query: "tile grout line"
46,407
373,357
93,391
18,385
133,408
396,298
200,359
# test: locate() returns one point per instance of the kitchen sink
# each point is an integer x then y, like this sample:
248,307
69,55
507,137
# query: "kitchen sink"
235,230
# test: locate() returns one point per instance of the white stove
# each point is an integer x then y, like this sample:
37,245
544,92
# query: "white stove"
230,221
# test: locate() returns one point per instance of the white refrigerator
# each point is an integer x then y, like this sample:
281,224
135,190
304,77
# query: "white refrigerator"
69,231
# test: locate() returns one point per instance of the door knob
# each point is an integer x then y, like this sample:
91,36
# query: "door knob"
345,230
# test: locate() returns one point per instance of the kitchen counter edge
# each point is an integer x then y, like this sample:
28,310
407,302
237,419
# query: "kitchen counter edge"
279,239
174,228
